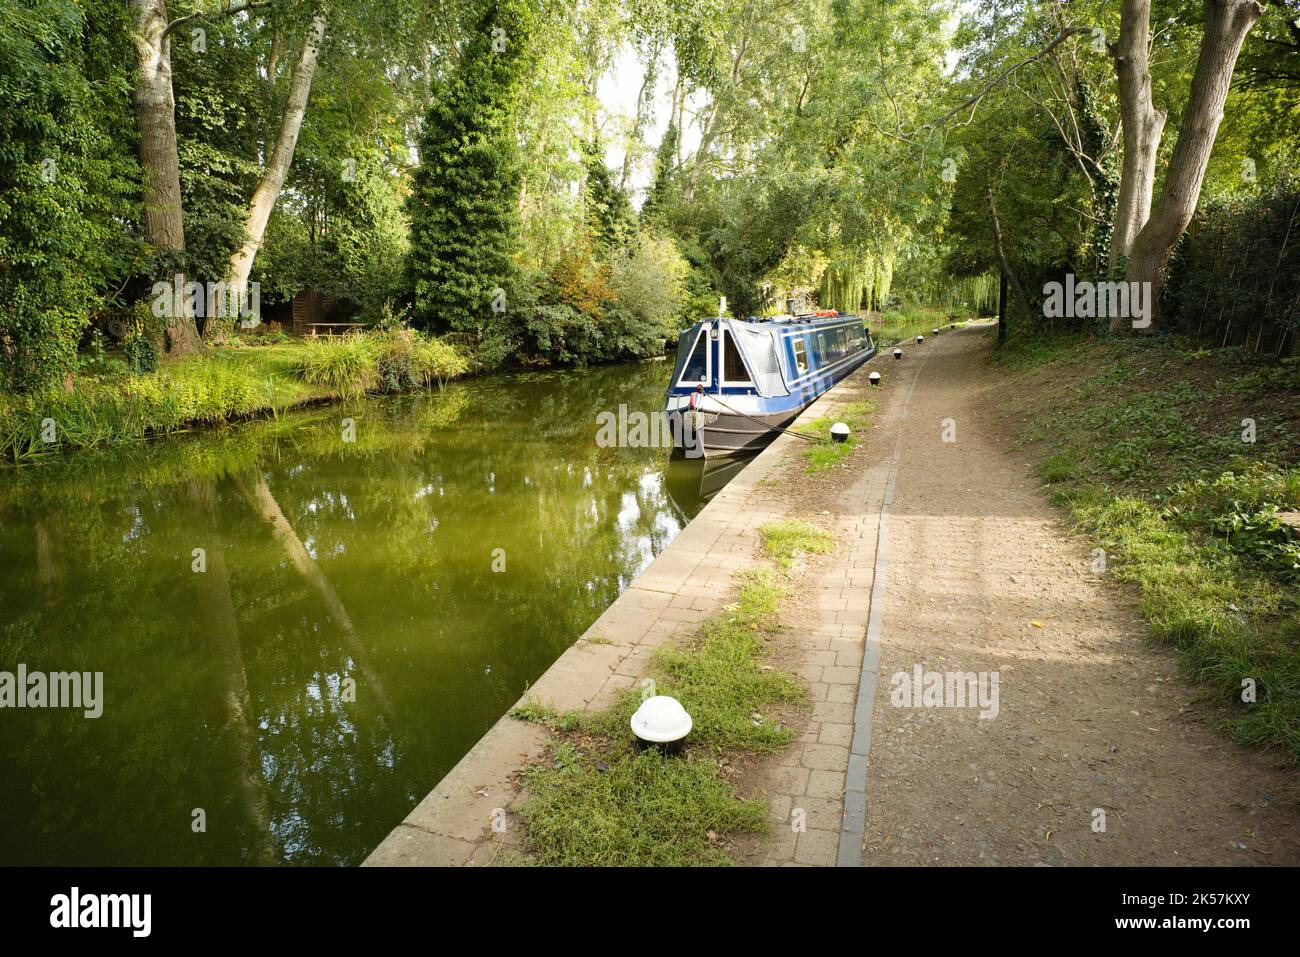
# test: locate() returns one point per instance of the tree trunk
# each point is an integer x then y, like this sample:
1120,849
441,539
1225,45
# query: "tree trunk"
277,166
222,624
1002,307
1007,272
263,502
155,117
701,152
1143,126
644,101
679,103
1226,24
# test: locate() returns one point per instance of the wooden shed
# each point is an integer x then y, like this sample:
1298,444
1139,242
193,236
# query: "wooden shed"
311,309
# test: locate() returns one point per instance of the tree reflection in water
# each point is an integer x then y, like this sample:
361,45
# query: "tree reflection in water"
349,639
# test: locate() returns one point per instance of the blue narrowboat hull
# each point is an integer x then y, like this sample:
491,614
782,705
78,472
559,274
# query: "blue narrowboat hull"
737,382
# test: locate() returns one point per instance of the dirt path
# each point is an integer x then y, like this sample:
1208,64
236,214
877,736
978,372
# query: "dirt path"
982,575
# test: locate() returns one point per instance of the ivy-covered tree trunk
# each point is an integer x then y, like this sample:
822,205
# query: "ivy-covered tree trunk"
1226,24
155,116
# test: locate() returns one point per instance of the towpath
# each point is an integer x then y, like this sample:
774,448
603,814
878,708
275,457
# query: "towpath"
950,560
1095,754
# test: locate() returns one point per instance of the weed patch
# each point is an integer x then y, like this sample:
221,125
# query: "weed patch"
826,453
603,801
786,541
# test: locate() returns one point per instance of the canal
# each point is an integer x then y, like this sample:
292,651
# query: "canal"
303,622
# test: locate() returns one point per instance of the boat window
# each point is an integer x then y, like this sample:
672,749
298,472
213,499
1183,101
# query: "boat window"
800,356
733,366
697,366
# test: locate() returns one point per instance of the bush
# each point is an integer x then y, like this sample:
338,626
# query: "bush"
593,311
68,180
393,353
648,278
559,333
434,360
345,364
392,361
580,281
140,353
1235,277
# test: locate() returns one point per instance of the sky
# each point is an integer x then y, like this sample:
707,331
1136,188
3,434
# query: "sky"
617,92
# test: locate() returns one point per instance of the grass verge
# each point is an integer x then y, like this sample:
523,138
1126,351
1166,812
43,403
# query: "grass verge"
825,453
1179,463
602,802
109,405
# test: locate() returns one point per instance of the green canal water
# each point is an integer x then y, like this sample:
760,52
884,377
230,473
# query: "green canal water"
366,610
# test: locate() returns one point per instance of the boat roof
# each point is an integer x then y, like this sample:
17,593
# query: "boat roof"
810,318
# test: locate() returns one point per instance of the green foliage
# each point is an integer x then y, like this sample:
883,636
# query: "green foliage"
787,541
140,353
66,180
221,106
403,360
609,212
718,676
342,364
825,453
642,809
647,280
747,228
352,248
112,403
436,361
665,191
906,321
703,285
464,198
597,304
1235,279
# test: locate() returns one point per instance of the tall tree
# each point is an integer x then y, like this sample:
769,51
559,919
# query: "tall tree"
277,165
1143,126
464,202
155,109
609,212
1226,24
155,117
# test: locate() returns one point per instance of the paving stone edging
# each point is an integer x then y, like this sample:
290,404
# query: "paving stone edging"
853,828
467,818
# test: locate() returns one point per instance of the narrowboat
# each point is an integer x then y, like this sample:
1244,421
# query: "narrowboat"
737,381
